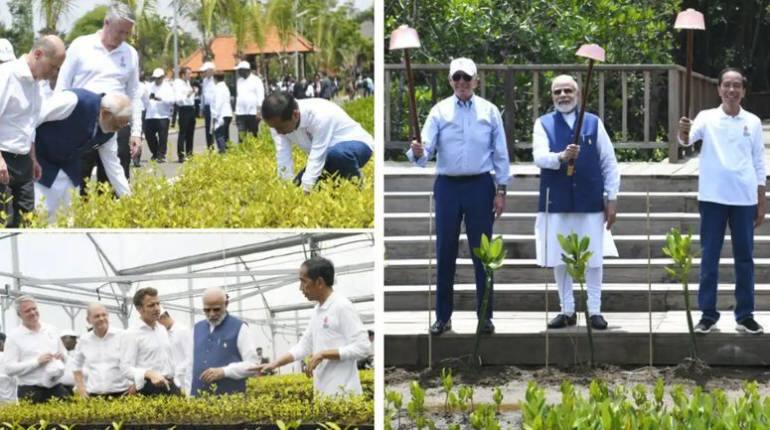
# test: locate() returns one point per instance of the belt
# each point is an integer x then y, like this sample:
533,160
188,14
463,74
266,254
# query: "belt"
464,177
13,154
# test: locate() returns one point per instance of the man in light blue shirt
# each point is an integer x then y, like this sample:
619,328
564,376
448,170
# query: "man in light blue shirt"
466,134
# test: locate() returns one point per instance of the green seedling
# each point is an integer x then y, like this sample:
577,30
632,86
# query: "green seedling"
446,384
497,397
576,256
679,248
491,254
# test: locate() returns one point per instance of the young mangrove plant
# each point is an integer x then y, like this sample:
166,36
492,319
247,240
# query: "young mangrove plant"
491,254
679,248
576,256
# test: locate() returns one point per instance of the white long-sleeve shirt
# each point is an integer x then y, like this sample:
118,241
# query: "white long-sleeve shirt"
545,159
99,360
161,107
322,125
249,97
335,325
20,103
147,348
7,384
22,350
732,158
207,91
184,93
181,341
221,108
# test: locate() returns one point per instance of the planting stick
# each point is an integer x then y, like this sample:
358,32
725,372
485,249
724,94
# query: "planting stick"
547,343
430,272
649,278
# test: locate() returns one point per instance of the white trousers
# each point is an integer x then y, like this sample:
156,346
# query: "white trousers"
593,286
58,195
108,153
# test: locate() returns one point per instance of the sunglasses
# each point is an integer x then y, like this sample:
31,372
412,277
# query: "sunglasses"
457,76
563,90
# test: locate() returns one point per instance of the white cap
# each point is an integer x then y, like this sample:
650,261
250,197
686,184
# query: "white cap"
462,64
208,65
6,51
68,333
243,65
158,73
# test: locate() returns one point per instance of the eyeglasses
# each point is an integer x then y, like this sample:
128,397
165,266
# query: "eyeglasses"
457,76
214,309
566,91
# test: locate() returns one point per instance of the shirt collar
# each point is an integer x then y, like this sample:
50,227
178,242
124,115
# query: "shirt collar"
723,114
98,43
23,72
144,326
464,103
329,301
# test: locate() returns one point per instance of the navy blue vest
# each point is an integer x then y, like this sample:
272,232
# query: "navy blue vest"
60,144
216,349
583,191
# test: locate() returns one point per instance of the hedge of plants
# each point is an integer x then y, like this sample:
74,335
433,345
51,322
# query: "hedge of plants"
238,189
280,402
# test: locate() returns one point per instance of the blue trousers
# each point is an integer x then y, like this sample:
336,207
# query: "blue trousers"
347,158
222,134
714,217
468,198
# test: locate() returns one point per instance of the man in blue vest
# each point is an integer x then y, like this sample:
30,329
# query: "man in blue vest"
222,349
581,203
73,122
466,134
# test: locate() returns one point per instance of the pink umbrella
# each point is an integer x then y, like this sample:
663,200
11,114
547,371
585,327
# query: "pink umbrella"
406,38
593,52
689,20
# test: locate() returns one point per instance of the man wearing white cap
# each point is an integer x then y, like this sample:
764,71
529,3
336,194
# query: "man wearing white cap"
334,142
70,340
6,51
185,102
207,99
159,99
35,355
466,134
249,97
103,62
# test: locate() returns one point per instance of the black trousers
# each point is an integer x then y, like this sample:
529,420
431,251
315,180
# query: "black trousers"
207,121
156,133
247,124
91,158
108,395
184,142
38,394
19,195
152,390
222,134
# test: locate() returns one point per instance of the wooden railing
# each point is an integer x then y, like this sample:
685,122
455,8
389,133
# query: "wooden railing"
660,106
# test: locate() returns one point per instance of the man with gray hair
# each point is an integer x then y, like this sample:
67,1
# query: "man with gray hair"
20,103
35,355
103,63
72,123
584,202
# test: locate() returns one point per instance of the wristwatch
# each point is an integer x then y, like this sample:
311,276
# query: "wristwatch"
501,190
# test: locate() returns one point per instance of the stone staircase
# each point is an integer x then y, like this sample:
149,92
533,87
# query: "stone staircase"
637,298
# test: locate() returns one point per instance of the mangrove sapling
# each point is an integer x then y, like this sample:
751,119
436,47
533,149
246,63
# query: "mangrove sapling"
576,256
447,384
491,254
679,248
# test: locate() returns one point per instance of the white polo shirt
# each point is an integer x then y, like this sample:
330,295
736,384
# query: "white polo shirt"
732,158
20,102
99,360
22,349
146,348
185,95
335,325
249,97
322,125
163,104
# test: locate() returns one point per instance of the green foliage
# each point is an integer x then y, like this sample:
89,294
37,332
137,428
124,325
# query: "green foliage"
575,257
621,408
491,254
20,33
679,248
89,23
262,403
238,189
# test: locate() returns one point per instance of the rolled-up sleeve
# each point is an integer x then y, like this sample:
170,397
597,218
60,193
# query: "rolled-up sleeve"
354,331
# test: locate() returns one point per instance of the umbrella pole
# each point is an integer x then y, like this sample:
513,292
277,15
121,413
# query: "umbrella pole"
579,122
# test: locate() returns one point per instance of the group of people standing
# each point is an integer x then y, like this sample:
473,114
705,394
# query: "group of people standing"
465,133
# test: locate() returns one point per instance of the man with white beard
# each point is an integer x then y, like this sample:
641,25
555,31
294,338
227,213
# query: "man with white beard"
581,203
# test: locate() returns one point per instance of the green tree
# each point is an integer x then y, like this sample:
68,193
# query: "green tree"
51,11
89,23
20,34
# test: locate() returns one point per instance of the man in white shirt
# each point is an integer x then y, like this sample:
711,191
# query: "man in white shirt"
185,103
222,350
731,191
249,97
181,342
70,340
581,203
335,143
159,99
73,122
221,112
335,336
35,355
6,51
101,63
207,99
7,383
147,357
98,356
20,104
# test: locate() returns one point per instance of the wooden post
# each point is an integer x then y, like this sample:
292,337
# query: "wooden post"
508,119
535,96
673,114
646,106
601,96
482,84
624,94
386,104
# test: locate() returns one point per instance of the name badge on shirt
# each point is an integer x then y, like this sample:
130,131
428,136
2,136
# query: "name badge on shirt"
326,322
122,61
746,130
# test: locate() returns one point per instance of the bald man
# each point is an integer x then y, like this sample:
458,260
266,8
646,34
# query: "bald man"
584,203
20,105
222,349
98,355
73,122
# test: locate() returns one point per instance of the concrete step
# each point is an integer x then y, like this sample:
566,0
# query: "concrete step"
523,246
418,271
527,201
527,297
520,339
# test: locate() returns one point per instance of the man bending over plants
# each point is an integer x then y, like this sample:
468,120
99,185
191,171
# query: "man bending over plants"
335,335
334,142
